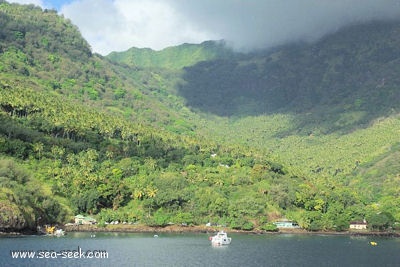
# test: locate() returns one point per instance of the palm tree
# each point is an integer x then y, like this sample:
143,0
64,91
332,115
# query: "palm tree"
151,191
38,147
138,194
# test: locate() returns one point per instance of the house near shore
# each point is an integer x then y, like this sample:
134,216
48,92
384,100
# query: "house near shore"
287,224
358,225
80,219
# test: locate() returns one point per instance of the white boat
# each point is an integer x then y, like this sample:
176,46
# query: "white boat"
59,232
221,238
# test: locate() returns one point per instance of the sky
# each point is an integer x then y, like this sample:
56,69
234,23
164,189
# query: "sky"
117,25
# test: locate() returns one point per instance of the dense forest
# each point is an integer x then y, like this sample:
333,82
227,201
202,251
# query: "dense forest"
240,140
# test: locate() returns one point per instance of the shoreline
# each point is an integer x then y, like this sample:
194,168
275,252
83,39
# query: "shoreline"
210,230
197,229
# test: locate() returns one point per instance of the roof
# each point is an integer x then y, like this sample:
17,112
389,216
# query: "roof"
358,222
86,218
284,221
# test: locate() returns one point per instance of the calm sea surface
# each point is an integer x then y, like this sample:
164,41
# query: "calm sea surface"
195,250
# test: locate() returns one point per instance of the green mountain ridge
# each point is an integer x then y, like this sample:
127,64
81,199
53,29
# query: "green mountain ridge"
136,139
173,58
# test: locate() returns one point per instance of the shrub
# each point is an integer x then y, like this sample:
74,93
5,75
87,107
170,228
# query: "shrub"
269,227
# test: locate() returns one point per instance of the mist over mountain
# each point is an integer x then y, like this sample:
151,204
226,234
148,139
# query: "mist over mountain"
250,25
355,68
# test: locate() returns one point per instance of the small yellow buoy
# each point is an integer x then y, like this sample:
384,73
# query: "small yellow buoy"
373,243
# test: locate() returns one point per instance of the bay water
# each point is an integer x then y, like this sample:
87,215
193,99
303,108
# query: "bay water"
140,249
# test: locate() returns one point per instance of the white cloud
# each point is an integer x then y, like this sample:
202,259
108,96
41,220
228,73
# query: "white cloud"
120,24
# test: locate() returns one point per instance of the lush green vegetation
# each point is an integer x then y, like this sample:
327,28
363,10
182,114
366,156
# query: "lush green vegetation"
306,132
98,163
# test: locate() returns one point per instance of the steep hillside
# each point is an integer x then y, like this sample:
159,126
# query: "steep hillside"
67,146
50,49
346,79
327,109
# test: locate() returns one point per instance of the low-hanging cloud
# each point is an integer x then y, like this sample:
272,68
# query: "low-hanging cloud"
249,24
116,25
